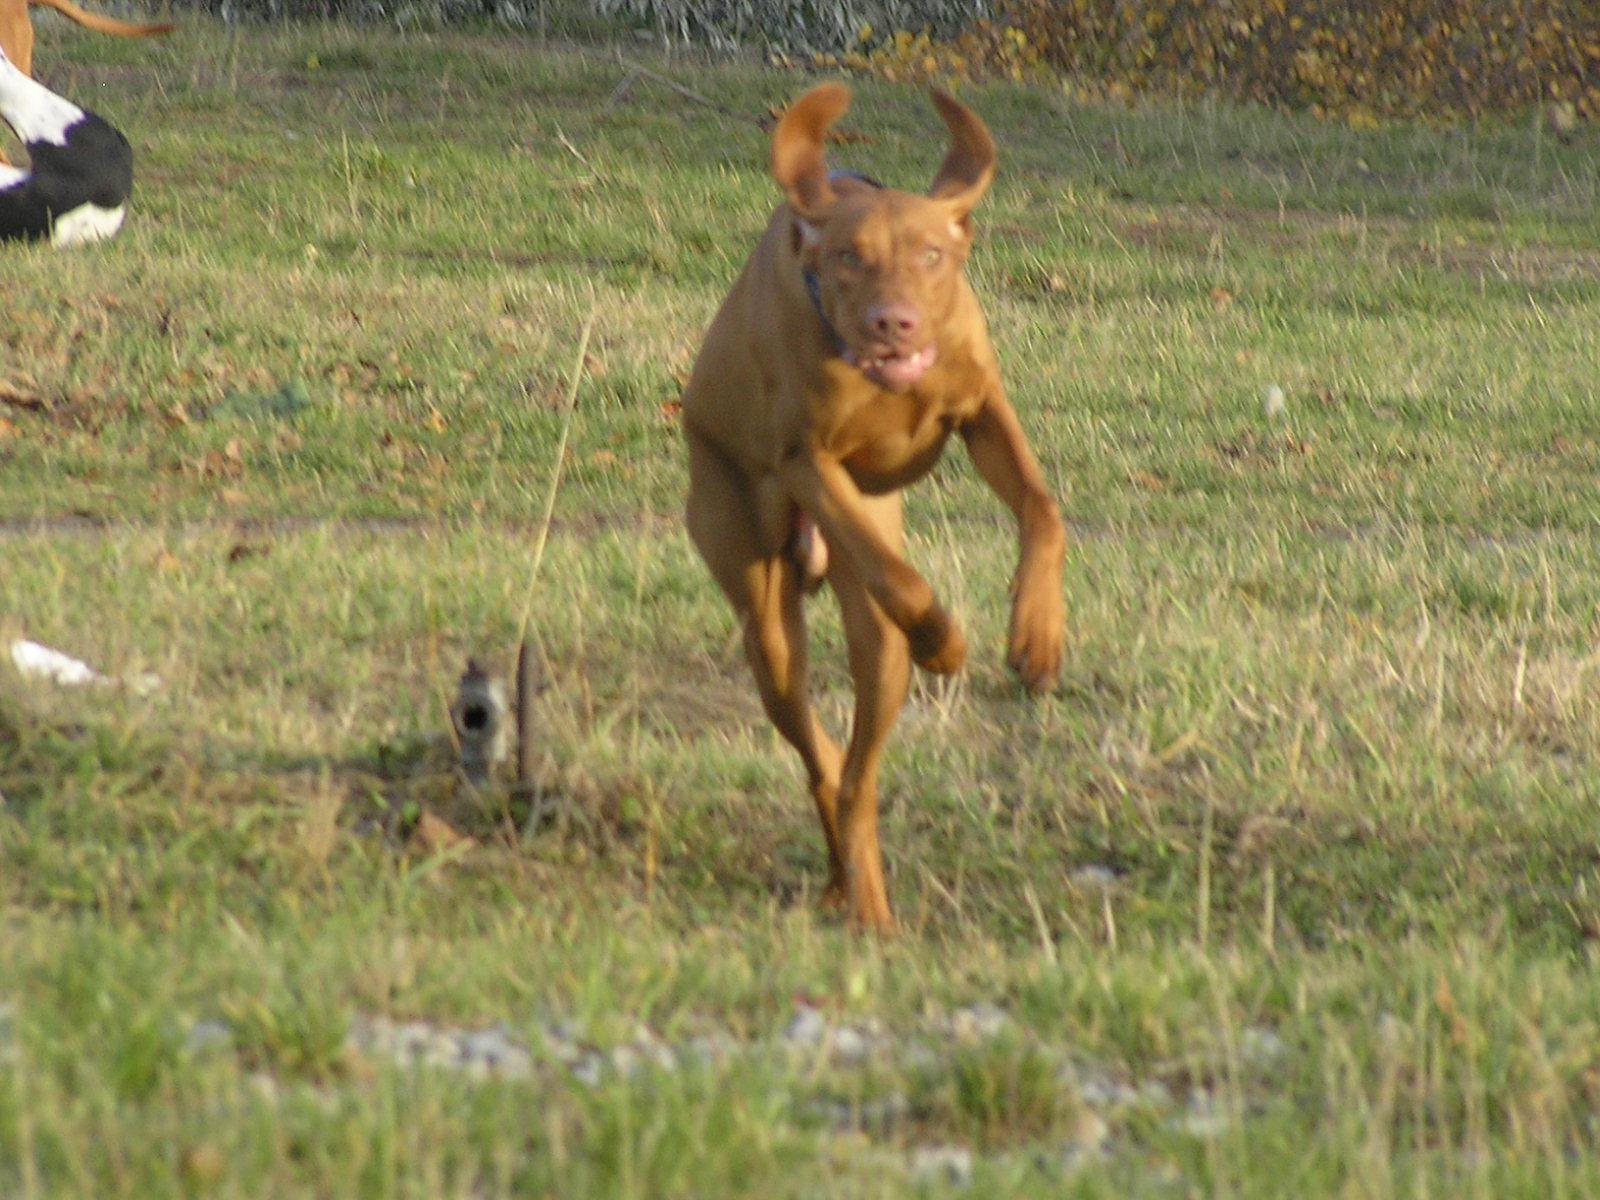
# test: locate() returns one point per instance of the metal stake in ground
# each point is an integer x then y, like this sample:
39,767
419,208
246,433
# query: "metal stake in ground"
479,717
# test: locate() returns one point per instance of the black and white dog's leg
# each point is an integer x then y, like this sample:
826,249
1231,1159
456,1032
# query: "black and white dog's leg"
80,170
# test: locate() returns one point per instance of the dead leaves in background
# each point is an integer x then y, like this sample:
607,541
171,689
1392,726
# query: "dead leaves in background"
1446,59
1261,450
13,396
17,396
226,462
836,135
432,834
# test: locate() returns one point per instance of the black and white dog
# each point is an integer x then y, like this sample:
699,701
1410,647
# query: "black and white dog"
80,169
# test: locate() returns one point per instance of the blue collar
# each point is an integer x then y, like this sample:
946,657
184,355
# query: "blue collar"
814,290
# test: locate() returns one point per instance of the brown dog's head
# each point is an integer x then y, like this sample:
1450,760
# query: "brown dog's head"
887,263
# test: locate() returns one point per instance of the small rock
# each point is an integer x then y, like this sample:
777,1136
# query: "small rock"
710,1048
837,1115
1155,1094
1102,1091
1205,1117
878,1115
412,1041
653,1050
645,1050
850,1045
977,1022
625,1060
1093,877
205,1036
563,1042
1089,1132
1272,402
496,1053
1075,1156
264,1086
589,1069
885,1112
806,1028
942,1164
1260,1047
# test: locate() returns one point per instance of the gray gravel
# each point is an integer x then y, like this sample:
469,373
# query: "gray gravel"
813,1038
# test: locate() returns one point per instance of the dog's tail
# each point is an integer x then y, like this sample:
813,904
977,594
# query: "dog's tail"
102,24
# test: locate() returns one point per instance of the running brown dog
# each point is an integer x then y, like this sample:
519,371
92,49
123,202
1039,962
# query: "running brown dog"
849,350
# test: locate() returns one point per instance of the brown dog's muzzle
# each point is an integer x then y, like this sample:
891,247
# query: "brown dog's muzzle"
890,356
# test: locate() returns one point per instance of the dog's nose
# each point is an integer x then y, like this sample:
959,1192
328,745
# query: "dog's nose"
892,322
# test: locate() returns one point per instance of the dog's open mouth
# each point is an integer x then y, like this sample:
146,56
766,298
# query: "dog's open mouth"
893,369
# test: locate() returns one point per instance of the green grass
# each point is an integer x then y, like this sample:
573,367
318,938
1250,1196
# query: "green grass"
1329,711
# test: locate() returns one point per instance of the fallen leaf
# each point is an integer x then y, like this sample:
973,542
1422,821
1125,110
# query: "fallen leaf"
11,394
244,550
434,834
202,1165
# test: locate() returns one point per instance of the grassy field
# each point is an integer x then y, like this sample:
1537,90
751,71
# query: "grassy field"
1292,888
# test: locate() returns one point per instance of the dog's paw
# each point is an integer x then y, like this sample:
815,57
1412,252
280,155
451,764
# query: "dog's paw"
865,908
937,643
836,897
1038,630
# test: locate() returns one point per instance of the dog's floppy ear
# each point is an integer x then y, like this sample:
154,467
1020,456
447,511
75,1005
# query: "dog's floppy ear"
969,167
797,160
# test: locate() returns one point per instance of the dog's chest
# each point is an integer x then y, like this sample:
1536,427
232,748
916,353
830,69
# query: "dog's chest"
888,440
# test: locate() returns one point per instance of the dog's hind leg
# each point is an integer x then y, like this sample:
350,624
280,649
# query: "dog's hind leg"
880,665
764,586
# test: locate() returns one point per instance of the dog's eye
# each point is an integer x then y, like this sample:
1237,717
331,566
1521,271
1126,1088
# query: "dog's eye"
932,257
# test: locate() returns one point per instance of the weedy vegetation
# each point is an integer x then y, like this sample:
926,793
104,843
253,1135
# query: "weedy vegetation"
1291,888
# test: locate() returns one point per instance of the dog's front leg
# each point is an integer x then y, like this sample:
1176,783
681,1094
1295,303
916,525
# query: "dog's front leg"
1038,612
819,483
